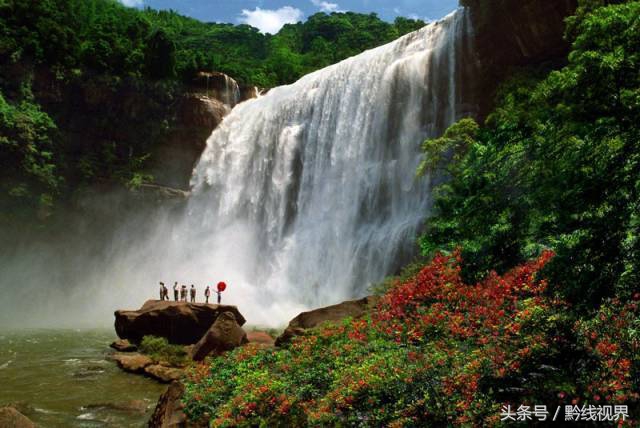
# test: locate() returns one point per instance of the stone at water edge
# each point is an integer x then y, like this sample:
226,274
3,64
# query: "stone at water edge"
11,418
132,362
133,406
123,345
163,373
179,322
224,335
313,318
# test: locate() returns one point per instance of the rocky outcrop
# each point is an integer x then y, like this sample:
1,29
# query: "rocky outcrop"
11,418
123,345
163,373
168,412
223,87
515,33
142,364
310,319
132,362
261,338
224,335
180,323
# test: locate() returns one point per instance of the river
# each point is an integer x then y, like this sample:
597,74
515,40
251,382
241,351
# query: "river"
63,378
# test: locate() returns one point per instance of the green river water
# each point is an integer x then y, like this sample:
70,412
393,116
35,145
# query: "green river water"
64,378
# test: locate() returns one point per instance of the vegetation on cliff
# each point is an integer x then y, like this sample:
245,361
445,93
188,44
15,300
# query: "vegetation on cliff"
530,296
71,69
555,166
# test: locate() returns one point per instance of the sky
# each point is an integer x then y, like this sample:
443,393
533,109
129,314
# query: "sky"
270,15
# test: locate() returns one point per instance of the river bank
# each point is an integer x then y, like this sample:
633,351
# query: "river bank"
64,378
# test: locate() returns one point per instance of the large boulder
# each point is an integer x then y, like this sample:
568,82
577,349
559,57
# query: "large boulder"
224,335
310,319
11,418
180,323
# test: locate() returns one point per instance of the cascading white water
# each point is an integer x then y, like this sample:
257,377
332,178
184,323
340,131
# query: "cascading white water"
320,175
303,196
231,95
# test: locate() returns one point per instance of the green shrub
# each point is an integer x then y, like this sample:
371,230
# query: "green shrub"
159,349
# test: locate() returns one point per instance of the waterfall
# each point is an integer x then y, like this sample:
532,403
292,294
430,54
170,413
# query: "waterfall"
303,196
231,95
312,186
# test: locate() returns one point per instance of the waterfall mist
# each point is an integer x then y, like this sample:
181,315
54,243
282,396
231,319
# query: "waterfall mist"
303,197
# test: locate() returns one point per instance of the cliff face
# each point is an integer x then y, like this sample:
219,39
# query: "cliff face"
173,159
197,112
515,33
131,117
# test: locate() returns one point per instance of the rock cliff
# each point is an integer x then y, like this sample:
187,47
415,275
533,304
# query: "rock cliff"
180,323
515,33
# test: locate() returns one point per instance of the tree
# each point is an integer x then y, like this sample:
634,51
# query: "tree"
556,166
160,56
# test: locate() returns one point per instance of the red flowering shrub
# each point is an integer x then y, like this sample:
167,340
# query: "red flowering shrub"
436,351
612,339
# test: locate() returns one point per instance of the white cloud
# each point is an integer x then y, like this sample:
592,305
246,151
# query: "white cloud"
271,21
417,17
132,3
325,6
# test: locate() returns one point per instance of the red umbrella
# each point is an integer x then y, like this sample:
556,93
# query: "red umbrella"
222,286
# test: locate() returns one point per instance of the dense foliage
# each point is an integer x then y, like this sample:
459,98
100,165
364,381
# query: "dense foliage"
435,352
546,193
104,36
269,60
556,166
71,69
26,155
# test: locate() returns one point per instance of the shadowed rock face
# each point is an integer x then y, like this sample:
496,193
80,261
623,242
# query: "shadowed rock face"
168,411
307,320
180,323
515,33
197,115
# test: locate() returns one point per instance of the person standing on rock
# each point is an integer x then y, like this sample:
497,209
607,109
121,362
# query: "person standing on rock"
192,293
207,293
175,291
183,293
165,292
162,291
221,287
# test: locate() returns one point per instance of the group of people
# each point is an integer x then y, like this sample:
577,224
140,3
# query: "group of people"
180,293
